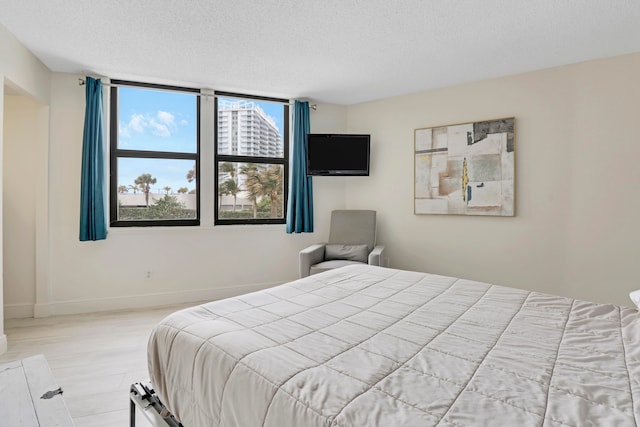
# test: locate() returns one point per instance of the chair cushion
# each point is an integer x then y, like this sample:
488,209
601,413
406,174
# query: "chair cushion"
330,265
353,227
346,252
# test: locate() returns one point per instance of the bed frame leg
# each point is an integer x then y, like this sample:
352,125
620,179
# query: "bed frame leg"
132,413
151,407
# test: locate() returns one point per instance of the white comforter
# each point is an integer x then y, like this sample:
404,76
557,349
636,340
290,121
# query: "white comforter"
370,346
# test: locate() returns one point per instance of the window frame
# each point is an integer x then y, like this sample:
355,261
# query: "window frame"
117,153
223,158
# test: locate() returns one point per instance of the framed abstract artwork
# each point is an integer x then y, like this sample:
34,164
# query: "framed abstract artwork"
465,169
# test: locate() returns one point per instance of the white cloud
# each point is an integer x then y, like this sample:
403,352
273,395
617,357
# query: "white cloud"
159,129
166,118
137,123
183,122
161,125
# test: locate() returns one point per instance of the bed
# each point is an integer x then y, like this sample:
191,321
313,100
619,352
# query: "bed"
372,346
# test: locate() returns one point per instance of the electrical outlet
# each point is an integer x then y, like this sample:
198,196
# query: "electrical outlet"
147,275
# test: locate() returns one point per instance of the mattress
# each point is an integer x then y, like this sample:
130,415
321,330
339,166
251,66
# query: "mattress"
372,346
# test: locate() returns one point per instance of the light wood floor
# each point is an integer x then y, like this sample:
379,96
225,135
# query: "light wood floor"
94,358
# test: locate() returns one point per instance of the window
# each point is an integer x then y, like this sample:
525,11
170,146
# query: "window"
252,152
155,155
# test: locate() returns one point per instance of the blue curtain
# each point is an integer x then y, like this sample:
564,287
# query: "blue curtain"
300,205
93,218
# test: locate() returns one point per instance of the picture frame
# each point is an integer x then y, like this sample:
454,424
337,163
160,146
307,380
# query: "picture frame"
465,169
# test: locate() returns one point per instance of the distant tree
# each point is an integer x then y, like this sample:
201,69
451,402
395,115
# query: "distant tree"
272,186
222,191
122,189
191,175
183,190
192,191
167,189
144,182
233,188
135,188
252,185
230,186
229,168
264,207
263,181
169,207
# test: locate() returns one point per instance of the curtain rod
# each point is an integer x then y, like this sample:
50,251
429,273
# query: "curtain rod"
82,82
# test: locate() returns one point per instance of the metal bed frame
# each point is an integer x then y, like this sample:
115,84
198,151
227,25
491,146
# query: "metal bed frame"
143,396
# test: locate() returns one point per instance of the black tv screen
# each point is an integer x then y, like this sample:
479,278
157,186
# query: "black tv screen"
338,154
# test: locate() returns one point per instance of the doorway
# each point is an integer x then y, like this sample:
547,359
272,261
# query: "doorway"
25,124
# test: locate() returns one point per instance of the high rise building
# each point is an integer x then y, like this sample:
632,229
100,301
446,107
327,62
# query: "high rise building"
244,129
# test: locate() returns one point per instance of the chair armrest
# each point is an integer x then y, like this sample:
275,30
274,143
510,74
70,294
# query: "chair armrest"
376,256
310,256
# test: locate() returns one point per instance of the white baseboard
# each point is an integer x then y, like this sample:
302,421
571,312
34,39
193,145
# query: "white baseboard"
143,301
41,310
3,343
18,311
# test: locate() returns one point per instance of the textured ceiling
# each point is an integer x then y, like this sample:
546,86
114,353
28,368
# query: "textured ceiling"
336,51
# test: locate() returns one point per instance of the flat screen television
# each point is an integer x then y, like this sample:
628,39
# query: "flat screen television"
338,154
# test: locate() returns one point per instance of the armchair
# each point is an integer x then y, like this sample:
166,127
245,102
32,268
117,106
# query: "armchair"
352,239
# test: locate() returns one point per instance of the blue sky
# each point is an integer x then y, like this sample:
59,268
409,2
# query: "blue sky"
162,121
274,111
156,120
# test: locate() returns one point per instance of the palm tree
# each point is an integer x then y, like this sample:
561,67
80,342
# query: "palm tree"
167,189
144,182
252,185
134,188
122,189
271,178
183,190
191,175
222,191
230,187
229,168
263,181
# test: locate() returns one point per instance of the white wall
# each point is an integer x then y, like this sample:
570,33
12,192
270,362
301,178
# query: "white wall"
19,194
575,232
187,263
24,72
